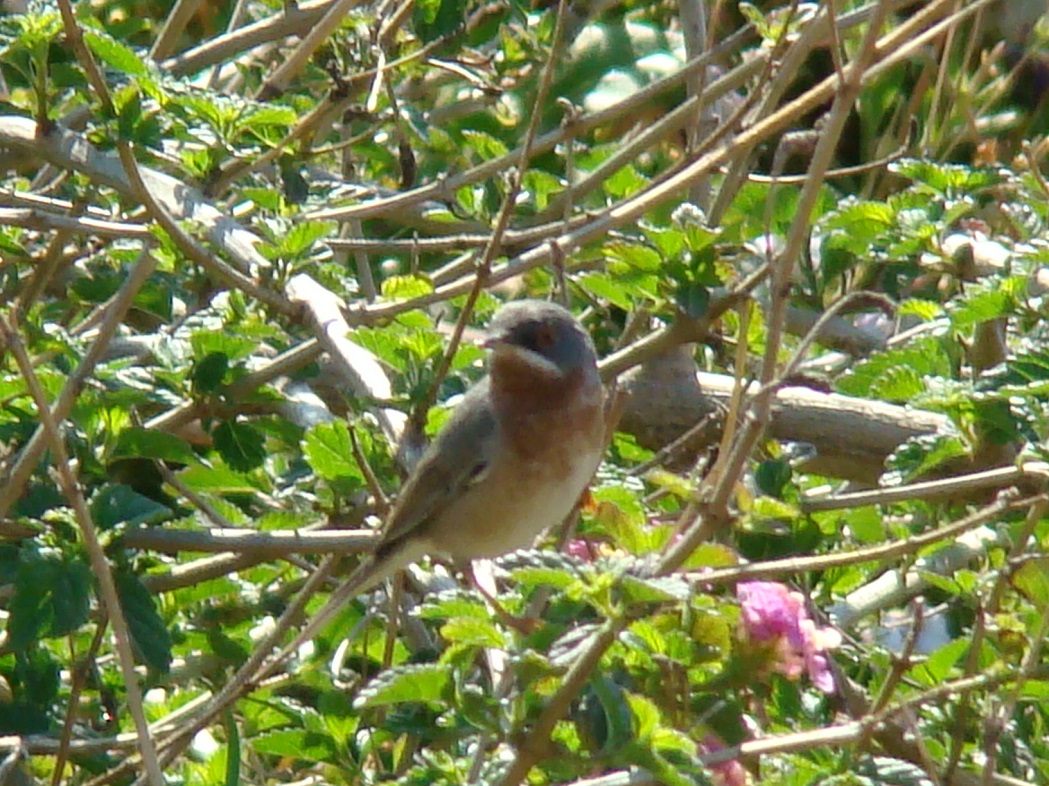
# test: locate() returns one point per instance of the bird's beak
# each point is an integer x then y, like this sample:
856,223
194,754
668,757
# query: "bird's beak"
494,341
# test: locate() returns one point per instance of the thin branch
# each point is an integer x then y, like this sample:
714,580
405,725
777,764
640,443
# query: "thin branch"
14,482
99,563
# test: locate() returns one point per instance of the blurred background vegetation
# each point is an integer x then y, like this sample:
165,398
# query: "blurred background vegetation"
237,244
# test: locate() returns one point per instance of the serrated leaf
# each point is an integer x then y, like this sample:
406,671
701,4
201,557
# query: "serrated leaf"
116,55
218,480
428,682
485,144
296,744
452,605
948,179
635,255
115,504
209,372
206,342
646,716
665,480
272,116
610,288
885,771
52,597
241,445
920,455
1032,581
712,633
535,567
938,665
654,590
983,306
862,219
473,631
150,639
897,374
618,718
400,288
145,443
329,450
301,237
771,508
711,555
925,310
437,18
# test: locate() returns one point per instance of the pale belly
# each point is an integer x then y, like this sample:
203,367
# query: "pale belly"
484,524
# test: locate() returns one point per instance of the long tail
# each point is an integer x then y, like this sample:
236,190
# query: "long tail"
368,575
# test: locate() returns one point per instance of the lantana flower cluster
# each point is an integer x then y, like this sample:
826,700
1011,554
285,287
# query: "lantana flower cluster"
775,616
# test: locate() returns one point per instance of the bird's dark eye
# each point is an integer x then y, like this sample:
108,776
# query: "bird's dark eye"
545,337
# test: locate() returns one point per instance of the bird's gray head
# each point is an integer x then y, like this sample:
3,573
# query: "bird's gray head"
541,338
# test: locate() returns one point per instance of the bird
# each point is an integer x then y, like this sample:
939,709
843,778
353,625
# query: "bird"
516,456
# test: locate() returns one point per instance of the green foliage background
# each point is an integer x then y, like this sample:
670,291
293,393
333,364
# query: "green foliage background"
177,211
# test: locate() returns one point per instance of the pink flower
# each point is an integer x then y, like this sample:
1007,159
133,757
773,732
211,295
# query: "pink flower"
723,773
776,616
580,549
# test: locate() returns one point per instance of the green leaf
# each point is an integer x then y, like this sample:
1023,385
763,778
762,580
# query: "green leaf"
437,18
885,771
400,288
150,639
473,631
711,555
772,476
297,744
771,508
115,504
866,524
145,443
712,635
485,144
897,374
937,667
302,236
429,682
206,342
626,180
534,568
116,55
610,288
983,306
452,605
218,480
634,255
947,179
329,450
654,590
209,373
618,718
925,310
646,716
920,455
281,116
52,597
622,518
241,445
1032,581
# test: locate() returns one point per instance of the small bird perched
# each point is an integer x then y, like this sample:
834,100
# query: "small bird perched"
516,455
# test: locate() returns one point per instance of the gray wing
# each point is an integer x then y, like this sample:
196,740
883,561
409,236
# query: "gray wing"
457,458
